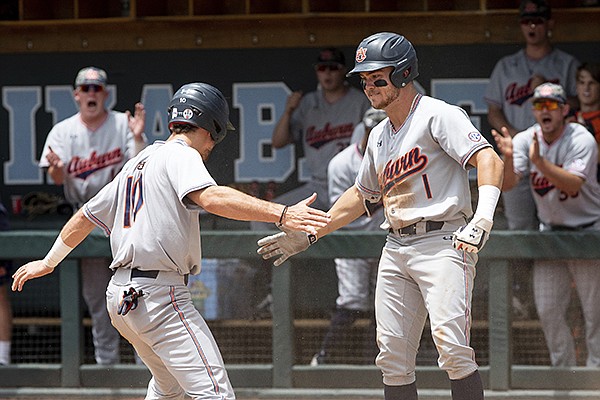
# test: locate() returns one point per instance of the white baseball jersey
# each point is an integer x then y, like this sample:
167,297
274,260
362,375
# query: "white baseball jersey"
575,151
92,158
326,128
509,83
152,226
420,168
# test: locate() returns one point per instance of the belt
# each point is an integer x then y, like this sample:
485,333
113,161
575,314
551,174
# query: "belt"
152,274
418,228
571,228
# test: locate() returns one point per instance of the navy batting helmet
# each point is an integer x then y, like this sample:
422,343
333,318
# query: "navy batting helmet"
386,49
201,105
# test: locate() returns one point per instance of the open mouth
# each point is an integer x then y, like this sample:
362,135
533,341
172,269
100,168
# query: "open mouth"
92,103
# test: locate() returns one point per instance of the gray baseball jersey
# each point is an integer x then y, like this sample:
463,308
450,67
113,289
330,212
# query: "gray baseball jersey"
420,169
92,158
576,152
326,128
153,227
144,210
509,83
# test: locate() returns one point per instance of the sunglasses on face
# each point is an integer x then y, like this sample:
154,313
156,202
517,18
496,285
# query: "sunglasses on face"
549,105
87,88
328,67
533,21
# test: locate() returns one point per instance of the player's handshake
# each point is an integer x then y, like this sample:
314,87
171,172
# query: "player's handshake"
472,237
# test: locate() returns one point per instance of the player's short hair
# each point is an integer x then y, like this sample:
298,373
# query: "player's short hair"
180,127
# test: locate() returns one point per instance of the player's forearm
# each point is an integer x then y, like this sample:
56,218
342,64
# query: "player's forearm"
490,168
76,229
233,204
559,177
345,210
510,179
497,120
57,174
281,134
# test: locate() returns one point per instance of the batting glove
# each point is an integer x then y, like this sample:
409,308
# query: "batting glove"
472,236
284,244
129,301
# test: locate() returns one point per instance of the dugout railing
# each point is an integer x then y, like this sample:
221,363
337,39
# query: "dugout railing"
500,373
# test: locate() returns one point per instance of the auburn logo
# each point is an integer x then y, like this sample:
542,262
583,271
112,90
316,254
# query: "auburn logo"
361,54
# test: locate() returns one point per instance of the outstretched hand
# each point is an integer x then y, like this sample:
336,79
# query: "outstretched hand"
137,122
302,217
31,270
53,159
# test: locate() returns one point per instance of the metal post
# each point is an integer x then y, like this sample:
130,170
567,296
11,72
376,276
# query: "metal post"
71,327
283,326
500,329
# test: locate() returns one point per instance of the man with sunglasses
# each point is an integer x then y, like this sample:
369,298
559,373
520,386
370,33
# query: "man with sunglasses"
416,162
559,159
322,122
508,96
83,153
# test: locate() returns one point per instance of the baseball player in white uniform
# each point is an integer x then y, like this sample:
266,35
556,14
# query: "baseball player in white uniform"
356,276
151,212
416,161
322,121
560,160
511,86
83,153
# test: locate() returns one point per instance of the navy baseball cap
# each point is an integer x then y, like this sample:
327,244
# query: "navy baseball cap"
535,9
330,56
91,76
550,91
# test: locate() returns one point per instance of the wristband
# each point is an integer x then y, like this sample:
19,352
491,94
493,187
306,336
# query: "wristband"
57,253
488,199
285,208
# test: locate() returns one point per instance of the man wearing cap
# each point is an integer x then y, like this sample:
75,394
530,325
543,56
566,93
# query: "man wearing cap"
83,153
508,96
559,160
322,121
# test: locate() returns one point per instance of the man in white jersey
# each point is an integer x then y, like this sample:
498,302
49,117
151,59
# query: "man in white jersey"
416,162
508,96
322,121
83,153
559,159
151,212
356,276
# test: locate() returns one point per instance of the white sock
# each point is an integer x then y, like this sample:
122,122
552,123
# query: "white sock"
4,352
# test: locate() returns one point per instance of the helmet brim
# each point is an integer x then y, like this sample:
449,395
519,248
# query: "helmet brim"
367,67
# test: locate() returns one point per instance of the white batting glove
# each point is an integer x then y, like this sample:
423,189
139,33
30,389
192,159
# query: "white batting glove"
472,236
284,244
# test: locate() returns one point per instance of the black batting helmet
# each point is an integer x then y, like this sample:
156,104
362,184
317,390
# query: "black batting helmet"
201,105
386,49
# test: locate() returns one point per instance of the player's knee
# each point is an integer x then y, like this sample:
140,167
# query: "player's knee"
396,359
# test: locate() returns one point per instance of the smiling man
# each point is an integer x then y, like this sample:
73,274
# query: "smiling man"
417,163
83,153
559,159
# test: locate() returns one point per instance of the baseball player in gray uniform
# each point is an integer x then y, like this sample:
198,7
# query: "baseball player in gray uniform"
151,212
560,160
356,276
83,153
416,161
511,86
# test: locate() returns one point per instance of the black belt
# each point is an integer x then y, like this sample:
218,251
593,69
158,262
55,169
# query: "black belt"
412,229
152,274
571,228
